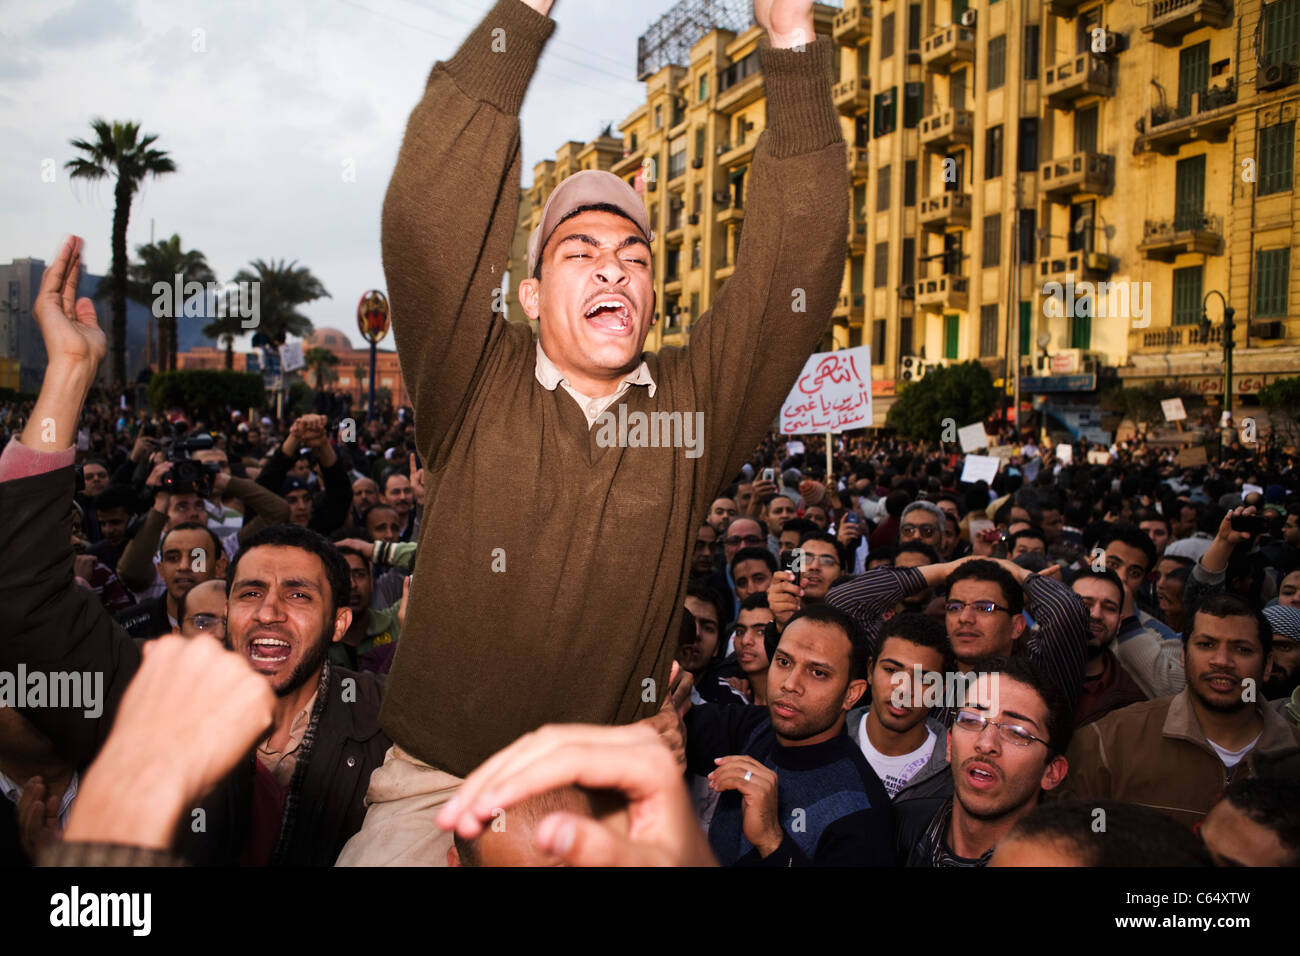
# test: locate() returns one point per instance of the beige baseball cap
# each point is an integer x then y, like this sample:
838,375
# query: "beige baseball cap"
590,187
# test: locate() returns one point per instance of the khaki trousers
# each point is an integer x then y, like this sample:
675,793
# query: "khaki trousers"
404,796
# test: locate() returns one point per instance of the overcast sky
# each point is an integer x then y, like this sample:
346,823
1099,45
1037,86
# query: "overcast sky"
261,123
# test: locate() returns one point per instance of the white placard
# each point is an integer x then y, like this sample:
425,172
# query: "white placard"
831,394
1249,489
1173,409
980,468
793,448
1065,453
291,356
1098,457
972,437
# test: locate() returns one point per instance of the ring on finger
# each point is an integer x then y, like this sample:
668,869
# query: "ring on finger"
749,774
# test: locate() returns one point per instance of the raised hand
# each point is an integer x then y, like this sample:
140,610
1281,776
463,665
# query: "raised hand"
68,325
789,23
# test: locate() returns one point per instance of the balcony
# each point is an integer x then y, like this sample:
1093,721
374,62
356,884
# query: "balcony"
629,163
852,307
859,168
1085,75
741,94
948,45
942,294
1092,173
1168,21
945,211
858,236
852,25
1166,239
1071,268
1174,338
732,213
1210,117
852,96
729,156
941,131
1064,8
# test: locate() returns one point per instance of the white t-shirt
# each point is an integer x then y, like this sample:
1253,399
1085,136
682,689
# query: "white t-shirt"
895,772
1231,758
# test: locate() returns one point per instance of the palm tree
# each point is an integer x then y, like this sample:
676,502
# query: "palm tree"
321,360
281,287
163,261
118,148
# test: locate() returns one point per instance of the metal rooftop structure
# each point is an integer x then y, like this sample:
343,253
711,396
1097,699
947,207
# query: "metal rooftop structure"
670,38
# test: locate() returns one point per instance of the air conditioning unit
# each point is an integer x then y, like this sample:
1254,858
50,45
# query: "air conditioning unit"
1275,76
1109,44
912,368
1268,330
697,162
968,18
693,219
1098,261
652,185
907,291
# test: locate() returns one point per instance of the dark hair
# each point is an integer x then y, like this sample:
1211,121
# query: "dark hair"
754,554
982,570
921,630
826,614
887,553
896,502
1272,802
918,547
217,550
1182,560
756,600
96,461
802,526
1060,715
383,485
589,207
377,506
1148,515
1033,534
1224,604
116,496
1107,575
1134,537
711,596
1133,835
827,538
337,572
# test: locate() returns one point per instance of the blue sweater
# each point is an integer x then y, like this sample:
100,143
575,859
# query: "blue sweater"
832,807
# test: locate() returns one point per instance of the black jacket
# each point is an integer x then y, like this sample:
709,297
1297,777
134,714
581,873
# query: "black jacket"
51,624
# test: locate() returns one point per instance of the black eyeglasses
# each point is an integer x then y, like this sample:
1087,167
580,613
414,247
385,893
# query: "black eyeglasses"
1011,733
923,530
979,607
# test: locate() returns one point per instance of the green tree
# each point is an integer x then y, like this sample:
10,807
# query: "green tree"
962,392
119,149
281,288
1284,393
322,362
206,391
163,261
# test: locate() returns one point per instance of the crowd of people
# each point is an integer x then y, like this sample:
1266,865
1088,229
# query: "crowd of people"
327,642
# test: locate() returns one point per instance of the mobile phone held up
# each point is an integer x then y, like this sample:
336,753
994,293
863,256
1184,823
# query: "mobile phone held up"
1249,524
769,474
792,561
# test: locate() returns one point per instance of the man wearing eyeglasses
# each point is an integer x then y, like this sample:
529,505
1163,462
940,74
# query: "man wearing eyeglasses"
203,610
1005,750
922,522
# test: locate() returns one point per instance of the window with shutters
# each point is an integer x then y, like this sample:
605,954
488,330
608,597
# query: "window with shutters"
886,36
904,335
861,131
951,331
1187,295
993,152
913,104
914,26
883,184
857,275
989,329
991,246
701,143
881,276
1026,327
1193,75
957,89
1031,51
909,182
1081,325
1027,149
1276,157
886,112
1084,23
1272,274
1281,33
1085,130
997,62
1028,225
909,261
878,342
1189,193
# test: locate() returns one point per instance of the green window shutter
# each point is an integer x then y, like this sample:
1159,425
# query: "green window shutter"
1189,192
1026,327
1276,157
950,330
1193,75
1081,325
1187,296
1272,274
1281,40
997,62
1085,130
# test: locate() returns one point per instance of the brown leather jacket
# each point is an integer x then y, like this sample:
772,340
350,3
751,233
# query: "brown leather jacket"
1155,754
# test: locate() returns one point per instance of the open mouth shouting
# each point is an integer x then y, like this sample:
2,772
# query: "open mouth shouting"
267,651
981,774
611,313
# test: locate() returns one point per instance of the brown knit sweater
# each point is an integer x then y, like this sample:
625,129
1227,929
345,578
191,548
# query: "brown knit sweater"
596,540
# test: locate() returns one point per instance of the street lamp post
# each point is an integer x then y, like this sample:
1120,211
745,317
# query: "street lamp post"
1228,313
